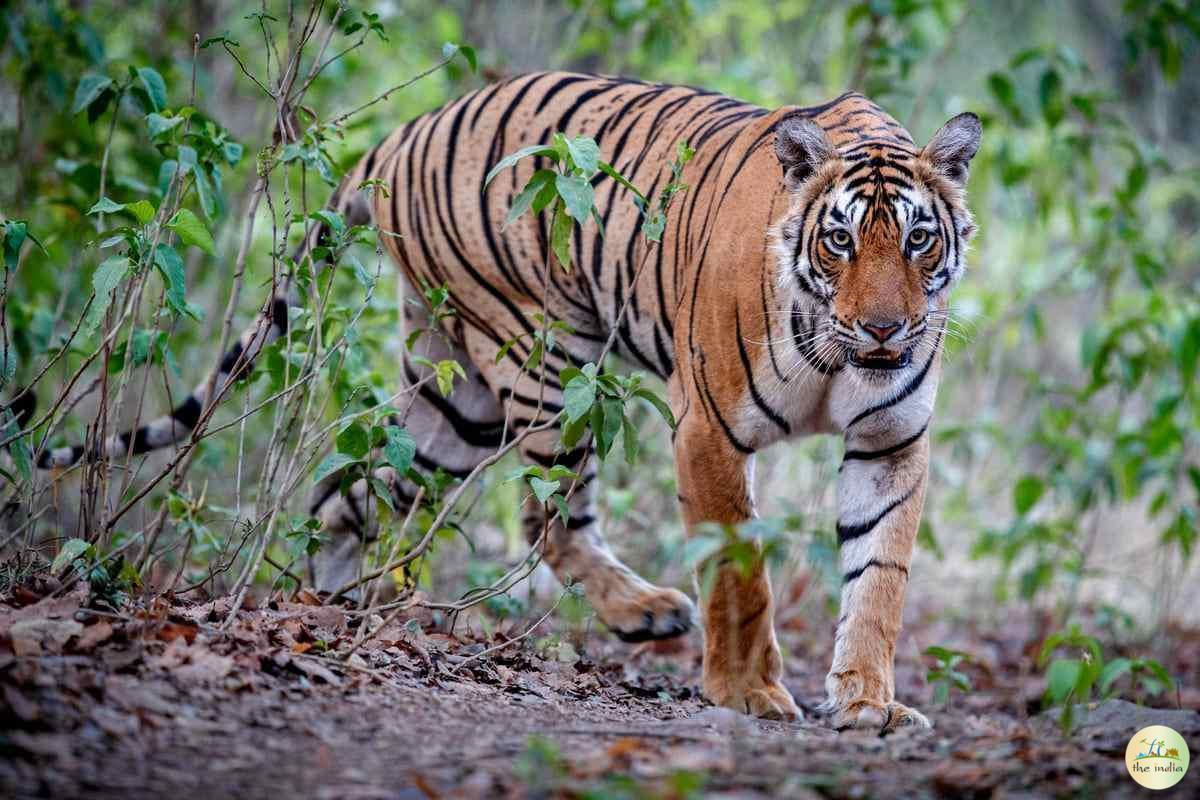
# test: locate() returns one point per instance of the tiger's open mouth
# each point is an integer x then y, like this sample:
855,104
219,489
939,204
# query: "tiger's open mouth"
880,358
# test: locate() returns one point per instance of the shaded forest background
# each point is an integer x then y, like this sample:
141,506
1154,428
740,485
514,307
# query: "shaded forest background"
1066,471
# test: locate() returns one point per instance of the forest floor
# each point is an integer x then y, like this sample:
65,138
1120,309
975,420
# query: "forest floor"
160,701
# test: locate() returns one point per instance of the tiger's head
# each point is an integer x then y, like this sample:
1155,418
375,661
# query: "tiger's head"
874,237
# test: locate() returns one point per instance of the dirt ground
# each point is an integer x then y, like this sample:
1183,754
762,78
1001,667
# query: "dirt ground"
159,701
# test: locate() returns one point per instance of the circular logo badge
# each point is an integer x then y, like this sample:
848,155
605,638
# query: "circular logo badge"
1157,757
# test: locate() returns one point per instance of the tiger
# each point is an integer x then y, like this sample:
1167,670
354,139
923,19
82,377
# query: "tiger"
801,288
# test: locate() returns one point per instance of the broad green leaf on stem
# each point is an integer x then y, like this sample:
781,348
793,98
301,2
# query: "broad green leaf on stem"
585,153
512,158
157,124
89,90
543,489
365,278
578,195
1027,491
560,237
596,423
451,49
170,266
106,206
564,513
445,371
578,396
1062,678
205,191
611,426
572,432
71,550
400,448
155,86
332,463
630,441
1113,670
659,404
192,231
354,441
105,280
14,236
522,202
610,171
142,209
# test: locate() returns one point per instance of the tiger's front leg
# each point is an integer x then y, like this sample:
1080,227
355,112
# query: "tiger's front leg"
742,664
880,496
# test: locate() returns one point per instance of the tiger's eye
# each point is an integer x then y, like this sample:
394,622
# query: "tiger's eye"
918,238
840,239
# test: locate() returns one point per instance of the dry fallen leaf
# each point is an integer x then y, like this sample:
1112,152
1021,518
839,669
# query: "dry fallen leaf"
92,636
34,637
170,631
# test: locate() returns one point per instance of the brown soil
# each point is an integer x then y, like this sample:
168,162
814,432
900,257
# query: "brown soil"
159,701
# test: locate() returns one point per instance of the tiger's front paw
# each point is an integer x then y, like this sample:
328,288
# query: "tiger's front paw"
882,717
851,708
758,697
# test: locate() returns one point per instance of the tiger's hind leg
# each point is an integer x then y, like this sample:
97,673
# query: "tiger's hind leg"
633,608
452,434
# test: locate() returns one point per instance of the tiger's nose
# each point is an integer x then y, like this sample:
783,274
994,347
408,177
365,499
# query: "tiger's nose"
882,331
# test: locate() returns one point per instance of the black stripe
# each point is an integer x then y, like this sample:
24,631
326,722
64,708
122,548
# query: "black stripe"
846,533
712,403
575,523
759,401
869,455
188,412
855,574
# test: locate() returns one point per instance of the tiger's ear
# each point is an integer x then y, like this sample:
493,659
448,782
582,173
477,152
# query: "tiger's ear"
801,146
952,148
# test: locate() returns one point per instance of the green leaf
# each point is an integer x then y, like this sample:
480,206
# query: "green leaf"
142,209
170,266
659,404
564,513
1112,671
585,153
156,87
89,90
630,440
1026,493
512,158
560,237
1051,95
522,202
192,231
106,206
106,279
354,441
71,550
1061,678
610,171
572,432
400,448
543,489
450,49
14,236
578,396
578,195
332,463
157,124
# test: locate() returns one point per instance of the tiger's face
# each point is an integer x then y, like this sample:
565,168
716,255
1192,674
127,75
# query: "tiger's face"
874,239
